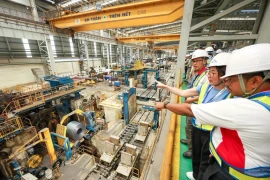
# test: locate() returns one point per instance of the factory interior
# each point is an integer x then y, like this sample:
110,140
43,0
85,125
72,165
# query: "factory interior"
78,82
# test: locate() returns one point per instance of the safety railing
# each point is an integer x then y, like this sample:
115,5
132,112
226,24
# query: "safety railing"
29,88
167,158
22,101
9,128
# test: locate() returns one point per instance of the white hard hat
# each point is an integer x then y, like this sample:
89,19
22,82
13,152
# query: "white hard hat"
220,59
219,51
209,49
250,59
187,55
199,53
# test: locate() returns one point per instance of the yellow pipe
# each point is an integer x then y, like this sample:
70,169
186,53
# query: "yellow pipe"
167,158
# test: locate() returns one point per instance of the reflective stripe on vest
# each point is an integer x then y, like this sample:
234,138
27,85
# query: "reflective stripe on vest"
204,89
199,78
262,173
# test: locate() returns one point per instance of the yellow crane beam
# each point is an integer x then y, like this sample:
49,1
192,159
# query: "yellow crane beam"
165,47
148,12
150,38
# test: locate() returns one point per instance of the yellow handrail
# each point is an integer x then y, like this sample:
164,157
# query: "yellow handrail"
167,158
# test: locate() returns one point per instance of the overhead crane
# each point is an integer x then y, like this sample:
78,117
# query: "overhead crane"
149,38
144,13
175,48
165,47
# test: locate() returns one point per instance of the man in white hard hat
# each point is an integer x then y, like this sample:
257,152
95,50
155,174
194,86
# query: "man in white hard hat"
199,61
211,52
219,51
240,141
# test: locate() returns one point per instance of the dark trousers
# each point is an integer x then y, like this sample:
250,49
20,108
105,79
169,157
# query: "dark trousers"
200,152
215,172
188,129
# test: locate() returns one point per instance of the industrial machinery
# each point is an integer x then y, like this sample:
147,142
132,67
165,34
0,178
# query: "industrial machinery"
16,164
88,118
156,116
58,81
126,74
129,101
145,77
10,127
116,85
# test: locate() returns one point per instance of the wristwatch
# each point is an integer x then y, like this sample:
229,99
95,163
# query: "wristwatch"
165,103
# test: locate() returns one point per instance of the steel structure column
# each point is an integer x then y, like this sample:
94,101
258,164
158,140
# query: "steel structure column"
50,55
121,54
264,35
183,43
108,56
87,56
130,53
34,10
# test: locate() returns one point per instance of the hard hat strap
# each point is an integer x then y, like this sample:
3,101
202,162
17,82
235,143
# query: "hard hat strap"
243,87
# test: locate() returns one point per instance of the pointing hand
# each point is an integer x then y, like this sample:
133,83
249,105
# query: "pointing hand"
160,85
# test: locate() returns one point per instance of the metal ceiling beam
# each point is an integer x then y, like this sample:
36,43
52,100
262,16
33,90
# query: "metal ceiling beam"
222,6
259,18
152,27
223,38
222,14
209,2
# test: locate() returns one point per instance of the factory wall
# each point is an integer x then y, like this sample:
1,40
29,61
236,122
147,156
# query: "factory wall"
12,75
17,74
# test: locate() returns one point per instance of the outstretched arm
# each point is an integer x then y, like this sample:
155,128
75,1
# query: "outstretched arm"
181,109
179,92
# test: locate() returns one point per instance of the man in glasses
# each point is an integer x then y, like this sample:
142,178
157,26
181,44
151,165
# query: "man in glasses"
199,61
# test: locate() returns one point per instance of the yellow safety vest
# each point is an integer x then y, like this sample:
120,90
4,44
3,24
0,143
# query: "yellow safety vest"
205,127
264,101
199,78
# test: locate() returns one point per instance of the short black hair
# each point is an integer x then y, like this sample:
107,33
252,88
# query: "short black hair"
221,70
250,75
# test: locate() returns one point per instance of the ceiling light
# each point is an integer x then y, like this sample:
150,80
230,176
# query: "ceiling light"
51,1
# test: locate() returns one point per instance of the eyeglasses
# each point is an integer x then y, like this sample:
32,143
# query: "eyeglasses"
229,79
211,74
195,61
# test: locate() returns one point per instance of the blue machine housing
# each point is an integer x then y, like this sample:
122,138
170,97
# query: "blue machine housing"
145,77
58,81
156,115
91,117
126,96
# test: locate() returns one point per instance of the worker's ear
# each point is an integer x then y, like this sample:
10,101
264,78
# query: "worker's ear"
204,61
255,81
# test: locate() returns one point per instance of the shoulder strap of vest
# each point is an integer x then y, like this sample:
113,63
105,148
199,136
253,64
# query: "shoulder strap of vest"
262,98
199,78
204,89
264,101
